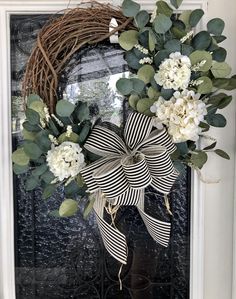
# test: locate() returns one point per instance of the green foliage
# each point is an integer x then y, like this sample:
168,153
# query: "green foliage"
162,24
130,8
82,111
128,39
222,154
48,191
143,106
20,169
195,17
89,207
68,208
176,3
219,54
164,8
32,150
146,73
216,26
198,158
206,86
133,100
31,183
199,56
201,41
128,86
64,108
20,157
220,100
47,177
216,120
142,18
220,69
32,116
173,45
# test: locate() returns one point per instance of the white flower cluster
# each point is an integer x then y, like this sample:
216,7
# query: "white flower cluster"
187,36
65,160
141,49
147,60
174,72
182,115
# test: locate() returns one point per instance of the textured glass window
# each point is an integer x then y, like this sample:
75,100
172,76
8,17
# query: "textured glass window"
64,258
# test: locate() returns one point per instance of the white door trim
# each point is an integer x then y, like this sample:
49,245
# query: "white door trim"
7,271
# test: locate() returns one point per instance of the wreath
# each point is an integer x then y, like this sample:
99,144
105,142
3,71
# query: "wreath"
175,94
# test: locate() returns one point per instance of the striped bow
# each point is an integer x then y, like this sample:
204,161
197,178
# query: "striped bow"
126,168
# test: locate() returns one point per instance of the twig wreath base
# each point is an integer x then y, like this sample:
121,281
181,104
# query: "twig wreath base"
61,38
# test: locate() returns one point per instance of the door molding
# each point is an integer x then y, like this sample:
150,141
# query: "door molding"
7,268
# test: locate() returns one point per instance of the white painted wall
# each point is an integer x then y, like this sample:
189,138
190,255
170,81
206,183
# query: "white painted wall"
219,198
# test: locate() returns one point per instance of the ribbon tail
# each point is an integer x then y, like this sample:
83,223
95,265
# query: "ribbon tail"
159,230
114,241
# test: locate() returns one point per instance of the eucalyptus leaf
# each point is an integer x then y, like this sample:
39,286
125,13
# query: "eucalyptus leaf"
39,107
138,85
187,49
206,86
71,189
128,39
219,54
146,73
198,56
31,128
124,86
219,38
220,100
195,17
133,100
151,41
130,8
162,24
182,147
72,138
198,159
19,157
173,45
216,120
28,135
164,8
84,132
220,69
39,170
201,41
143,106
32,116
89,207
32,98
167,93
160,57
210,146
184,17
176,3
153,93
68,208
32,150
43,141
222,154
132,60
216,26
64,108
142,18
31,183
47,177
19,169
48,191
82,112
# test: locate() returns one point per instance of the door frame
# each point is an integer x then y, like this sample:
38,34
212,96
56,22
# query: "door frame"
7,261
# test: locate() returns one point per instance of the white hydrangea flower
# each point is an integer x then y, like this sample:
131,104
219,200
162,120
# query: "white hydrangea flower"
65,160
174,72
182,115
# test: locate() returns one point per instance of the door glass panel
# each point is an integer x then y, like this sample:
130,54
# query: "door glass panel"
65,258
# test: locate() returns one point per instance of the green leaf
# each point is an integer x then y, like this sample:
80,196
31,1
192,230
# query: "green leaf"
32,98
216,120
132,60
146,73
30,128
73,138
220,38
28,135
84,132
32,116
40,170
216,26
133,100
82,111
53,127
205,127
31,183
143,106
198,56
151,40
182,147
210,146
220,100
128,39
167,93
19,157
138,85
130,8
43,141
38,106
164,8
201,41
32,150
142,18
71,189
220,69
187,49
195,17
160,57
173,45
176,3
153,93
64,108
206,86
68,208
124,86
198,159
19,169
47,177
219,54
184,17
89,207
162,24
222,154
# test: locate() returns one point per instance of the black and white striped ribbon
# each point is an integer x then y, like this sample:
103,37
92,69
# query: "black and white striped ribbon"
127,167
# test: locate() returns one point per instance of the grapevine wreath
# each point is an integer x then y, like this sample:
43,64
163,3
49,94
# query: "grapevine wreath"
175,94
